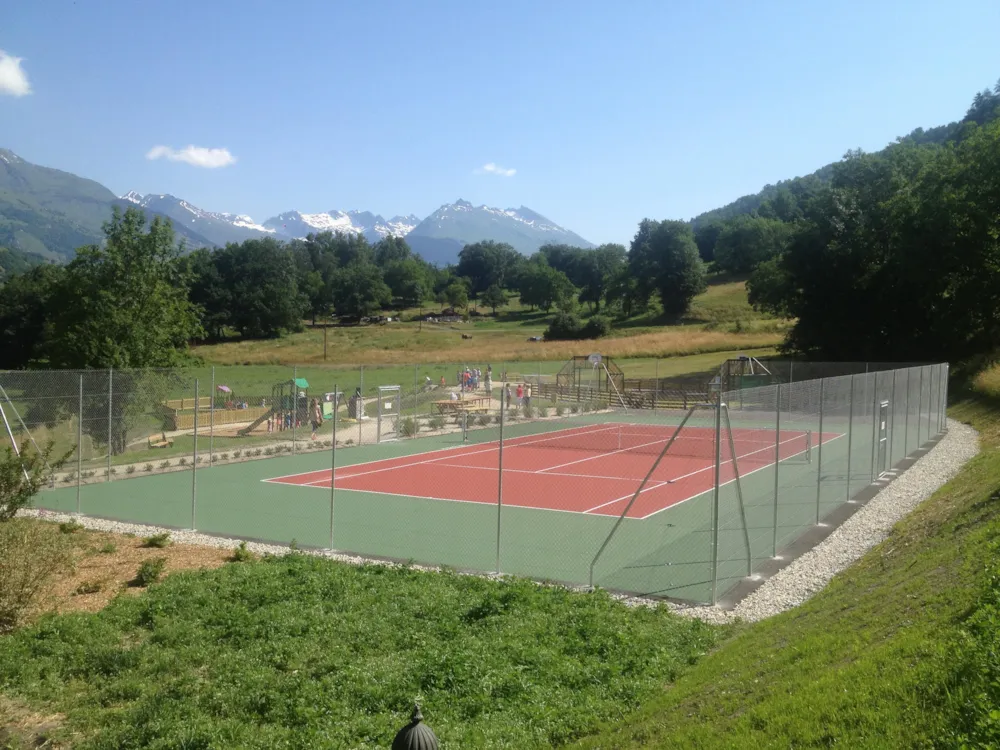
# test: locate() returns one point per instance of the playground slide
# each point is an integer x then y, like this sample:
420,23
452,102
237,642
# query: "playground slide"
256,423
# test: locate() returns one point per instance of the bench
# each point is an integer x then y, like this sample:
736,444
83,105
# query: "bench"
162,442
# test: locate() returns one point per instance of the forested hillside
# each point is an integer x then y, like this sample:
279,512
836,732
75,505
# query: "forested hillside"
881,256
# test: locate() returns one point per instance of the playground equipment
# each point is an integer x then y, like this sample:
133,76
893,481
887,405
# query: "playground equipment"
289,406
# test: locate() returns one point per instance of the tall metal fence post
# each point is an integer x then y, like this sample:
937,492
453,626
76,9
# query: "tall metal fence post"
194,463
819,452
79,446
295,403
361,404
875,430
416,408
906,417
850,431
656,383
333,458
892,418
715,495
500,484
944,397
110,398
777,464
920,405
211,420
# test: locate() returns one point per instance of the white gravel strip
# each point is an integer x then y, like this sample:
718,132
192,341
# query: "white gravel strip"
788,588
869,526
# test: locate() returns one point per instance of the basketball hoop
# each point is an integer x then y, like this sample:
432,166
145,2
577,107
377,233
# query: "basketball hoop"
594,359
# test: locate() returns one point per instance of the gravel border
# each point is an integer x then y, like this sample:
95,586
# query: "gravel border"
786,589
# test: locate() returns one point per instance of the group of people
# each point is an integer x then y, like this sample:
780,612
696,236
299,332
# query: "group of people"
470,378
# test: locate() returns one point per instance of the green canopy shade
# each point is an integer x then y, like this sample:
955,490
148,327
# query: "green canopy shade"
301,383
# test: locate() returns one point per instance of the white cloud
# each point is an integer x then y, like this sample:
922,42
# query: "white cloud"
196,156
13,79
496,169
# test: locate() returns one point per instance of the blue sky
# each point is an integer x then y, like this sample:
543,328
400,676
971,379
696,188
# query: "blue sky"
609,112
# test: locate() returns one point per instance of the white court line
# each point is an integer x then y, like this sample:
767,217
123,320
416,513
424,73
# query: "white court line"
699,471
459,451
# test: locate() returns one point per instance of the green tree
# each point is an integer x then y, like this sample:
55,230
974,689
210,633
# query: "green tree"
596,270
542,286
410,280
261,277
26,305
487,263
209,293
360,291
495,297
664,258
124,304
747,241
457,295
391,249
706,234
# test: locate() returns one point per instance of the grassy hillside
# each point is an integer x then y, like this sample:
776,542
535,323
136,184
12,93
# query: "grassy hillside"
720,320
899,651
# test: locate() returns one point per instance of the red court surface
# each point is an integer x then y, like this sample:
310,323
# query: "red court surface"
593,469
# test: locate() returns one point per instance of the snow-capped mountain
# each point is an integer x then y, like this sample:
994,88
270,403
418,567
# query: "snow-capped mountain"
217,228
372,226
440,236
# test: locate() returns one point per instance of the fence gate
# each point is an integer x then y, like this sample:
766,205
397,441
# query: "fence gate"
883,439
388,413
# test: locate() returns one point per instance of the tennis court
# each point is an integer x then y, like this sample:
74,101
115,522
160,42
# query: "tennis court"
594,469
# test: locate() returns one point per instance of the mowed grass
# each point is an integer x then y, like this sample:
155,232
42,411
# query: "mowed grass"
899,651
720,320
304,652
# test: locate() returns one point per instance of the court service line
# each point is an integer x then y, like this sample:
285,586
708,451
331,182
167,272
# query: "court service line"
710,467
458,451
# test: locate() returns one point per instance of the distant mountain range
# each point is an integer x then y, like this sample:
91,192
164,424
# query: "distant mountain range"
50,213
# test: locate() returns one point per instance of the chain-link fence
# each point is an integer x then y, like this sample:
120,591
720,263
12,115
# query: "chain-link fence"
540,469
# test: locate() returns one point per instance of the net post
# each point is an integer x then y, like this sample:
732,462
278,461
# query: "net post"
194,464
739,492
295,403
360,408
211,419
110,397
642,484
333,458
416,406
850,431
715,495
777,465
892,417
819,452
656,383
79,446
500,485
906,418
378,420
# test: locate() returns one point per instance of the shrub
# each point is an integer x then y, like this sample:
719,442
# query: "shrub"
147,467
257,452
237,454
70,527
596,327
130,469
409,426
69,477
224,457
529,412
89,587
560,410
242,554
199,459
158,541
214,458
183,461
568,326
268,451
108,549
543,412
483,419
150,571
575,408
436,422
31,554
165,465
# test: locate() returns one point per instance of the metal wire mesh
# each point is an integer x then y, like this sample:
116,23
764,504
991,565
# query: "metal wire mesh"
500,468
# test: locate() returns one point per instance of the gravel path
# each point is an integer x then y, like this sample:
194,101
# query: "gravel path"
809,573
786,589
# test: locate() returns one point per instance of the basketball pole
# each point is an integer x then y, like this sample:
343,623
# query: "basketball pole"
13,442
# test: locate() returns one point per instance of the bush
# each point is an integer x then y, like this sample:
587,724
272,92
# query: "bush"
147,467
529,412
483,420
69,477
182,462
237,454
89,587
165,465
436,422
560,410
568,326
223,457
130,469
543,412
268,451
31,554
257,452
158,541
108,549
242,554
150,571
70,527
409,426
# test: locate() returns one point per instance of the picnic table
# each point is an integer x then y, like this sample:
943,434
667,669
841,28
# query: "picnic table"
468,403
